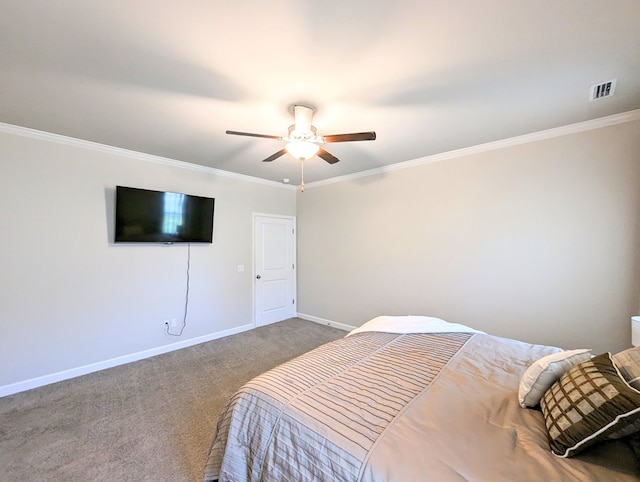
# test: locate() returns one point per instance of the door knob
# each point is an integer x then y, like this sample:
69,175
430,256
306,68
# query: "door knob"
258,277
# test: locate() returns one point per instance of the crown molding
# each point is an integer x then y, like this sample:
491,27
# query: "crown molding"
489,146
96,146
599,123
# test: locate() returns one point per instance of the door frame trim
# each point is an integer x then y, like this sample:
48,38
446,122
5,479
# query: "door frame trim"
253,260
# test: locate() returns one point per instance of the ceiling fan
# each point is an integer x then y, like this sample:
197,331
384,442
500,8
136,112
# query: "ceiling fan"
303,140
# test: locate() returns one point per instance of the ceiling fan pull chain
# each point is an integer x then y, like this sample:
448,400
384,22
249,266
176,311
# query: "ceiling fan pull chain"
301,176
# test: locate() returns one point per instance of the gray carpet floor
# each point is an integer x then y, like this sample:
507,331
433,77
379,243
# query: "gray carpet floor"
149,420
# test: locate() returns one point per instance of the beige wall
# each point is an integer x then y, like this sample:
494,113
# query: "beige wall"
539,241
70,298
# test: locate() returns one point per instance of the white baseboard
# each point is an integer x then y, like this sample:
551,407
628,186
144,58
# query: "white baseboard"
113,362
322,321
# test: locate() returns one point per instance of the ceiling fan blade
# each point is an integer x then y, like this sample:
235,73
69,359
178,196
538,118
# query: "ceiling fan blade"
249,134
327,156
273,157
356,136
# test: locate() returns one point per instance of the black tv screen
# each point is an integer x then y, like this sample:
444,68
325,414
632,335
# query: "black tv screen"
144,216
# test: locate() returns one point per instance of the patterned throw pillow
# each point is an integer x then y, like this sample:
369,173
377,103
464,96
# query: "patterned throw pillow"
628,362
590,402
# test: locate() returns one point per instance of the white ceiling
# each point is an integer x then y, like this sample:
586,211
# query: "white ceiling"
168,78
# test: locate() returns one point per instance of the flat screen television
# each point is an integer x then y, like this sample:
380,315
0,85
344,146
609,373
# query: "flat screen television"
145,216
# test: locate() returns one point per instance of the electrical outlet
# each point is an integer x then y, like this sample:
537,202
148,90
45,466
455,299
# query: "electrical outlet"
170,326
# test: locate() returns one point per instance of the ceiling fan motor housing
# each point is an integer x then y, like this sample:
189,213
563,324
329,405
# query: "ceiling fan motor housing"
303,136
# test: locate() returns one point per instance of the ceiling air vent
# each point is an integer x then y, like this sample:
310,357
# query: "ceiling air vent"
606,89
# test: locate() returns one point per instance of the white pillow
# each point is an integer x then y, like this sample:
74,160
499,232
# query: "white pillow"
545,372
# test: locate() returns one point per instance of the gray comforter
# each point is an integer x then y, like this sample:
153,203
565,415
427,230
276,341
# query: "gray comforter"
400,407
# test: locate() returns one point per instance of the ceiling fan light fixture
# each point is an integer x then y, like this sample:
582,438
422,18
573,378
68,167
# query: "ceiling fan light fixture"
302,150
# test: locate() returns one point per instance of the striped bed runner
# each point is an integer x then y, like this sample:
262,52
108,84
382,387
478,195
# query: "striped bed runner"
319,415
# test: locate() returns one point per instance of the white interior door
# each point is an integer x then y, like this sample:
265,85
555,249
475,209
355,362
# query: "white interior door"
274,272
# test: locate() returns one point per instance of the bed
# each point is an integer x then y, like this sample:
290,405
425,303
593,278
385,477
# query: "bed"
407,399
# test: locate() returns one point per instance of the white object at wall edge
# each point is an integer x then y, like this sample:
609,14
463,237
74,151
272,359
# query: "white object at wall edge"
635,330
